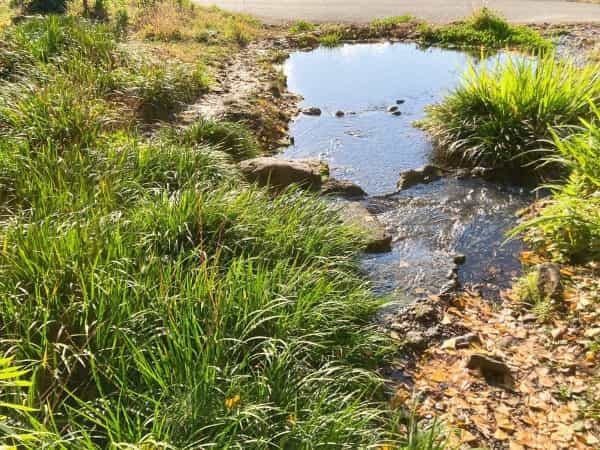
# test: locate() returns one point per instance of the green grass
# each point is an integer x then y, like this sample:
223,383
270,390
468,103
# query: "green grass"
568,227
155,299
484,29
302,26
388,22
500,117
231,137
332,39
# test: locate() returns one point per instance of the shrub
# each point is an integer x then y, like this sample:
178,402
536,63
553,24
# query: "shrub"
500,117
485,28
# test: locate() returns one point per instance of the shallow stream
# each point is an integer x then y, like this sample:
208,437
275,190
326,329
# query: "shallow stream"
370,146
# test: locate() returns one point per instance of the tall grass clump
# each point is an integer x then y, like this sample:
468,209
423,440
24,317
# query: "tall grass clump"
568,226
485,28
500,116
155,299
232,137
302,26
332,39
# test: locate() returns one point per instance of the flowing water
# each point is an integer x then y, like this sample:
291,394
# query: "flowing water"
371,146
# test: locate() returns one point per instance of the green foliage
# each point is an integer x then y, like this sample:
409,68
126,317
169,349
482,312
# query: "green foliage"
158,300
389,22
302,26
232,137
332,39
568,227
500,117
485,28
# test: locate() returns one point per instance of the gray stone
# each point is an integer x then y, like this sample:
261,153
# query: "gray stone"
282,173
400,102
378,240
423,175
343,188
340,113
397,113
312,111
549,282
392,109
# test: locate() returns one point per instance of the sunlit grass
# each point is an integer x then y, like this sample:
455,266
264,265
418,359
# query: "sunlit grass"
500,117
485,28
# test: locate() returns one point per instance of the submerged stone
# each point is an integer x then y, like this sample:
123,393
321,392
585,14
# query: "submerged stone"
378,240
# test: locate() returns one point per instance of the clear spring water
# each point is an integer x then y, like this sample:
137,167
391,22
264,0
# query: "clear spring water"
370,146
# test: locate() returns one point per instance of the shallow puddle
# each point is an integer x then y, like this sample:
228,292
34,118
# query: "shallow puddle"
371,146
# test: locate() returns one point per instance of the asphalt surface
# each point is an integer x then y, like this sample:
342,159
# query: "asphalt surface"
361,11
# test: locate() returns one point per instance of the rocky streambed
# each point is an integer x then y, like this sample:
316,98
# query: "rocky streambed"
444,228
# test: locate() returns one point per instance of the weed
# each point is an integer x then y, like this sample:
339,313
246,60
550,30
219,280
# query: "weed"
484,28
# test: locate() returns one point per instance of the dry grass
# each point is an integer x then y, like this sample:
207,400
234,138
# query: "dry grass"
171,21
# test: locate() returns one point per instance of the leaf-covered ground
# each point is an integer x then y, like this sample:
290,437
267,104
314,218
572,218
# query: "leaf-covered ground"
553,401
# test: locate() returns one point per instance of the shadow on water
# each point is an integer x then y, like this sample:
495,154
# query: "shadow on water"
370,146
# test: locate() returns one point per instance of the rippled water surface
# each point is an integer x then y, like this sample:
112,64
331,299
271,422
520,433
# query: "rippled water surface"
371,146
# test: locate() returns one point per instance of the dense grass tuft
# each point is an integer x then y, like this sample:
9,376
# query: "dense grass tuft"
302,26
485,28
568,227
389,22
500,117
332,39
232,137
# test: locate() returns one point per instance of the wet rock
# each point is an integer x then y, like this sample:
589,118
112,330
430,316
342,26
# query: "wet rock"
423,175
397,113
340,114
343,188
312,111
378,240
392,109
400,102
549,282
459,259
452,274
492,368
282,173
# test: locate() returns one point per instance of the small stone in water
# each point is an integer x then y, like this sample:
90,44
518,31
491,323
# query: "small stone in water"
340,114
397,113
392,109
312,111
400,102
460,259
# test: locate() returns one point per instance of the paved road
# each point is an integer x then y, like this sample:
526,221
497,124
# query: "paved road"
524,11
